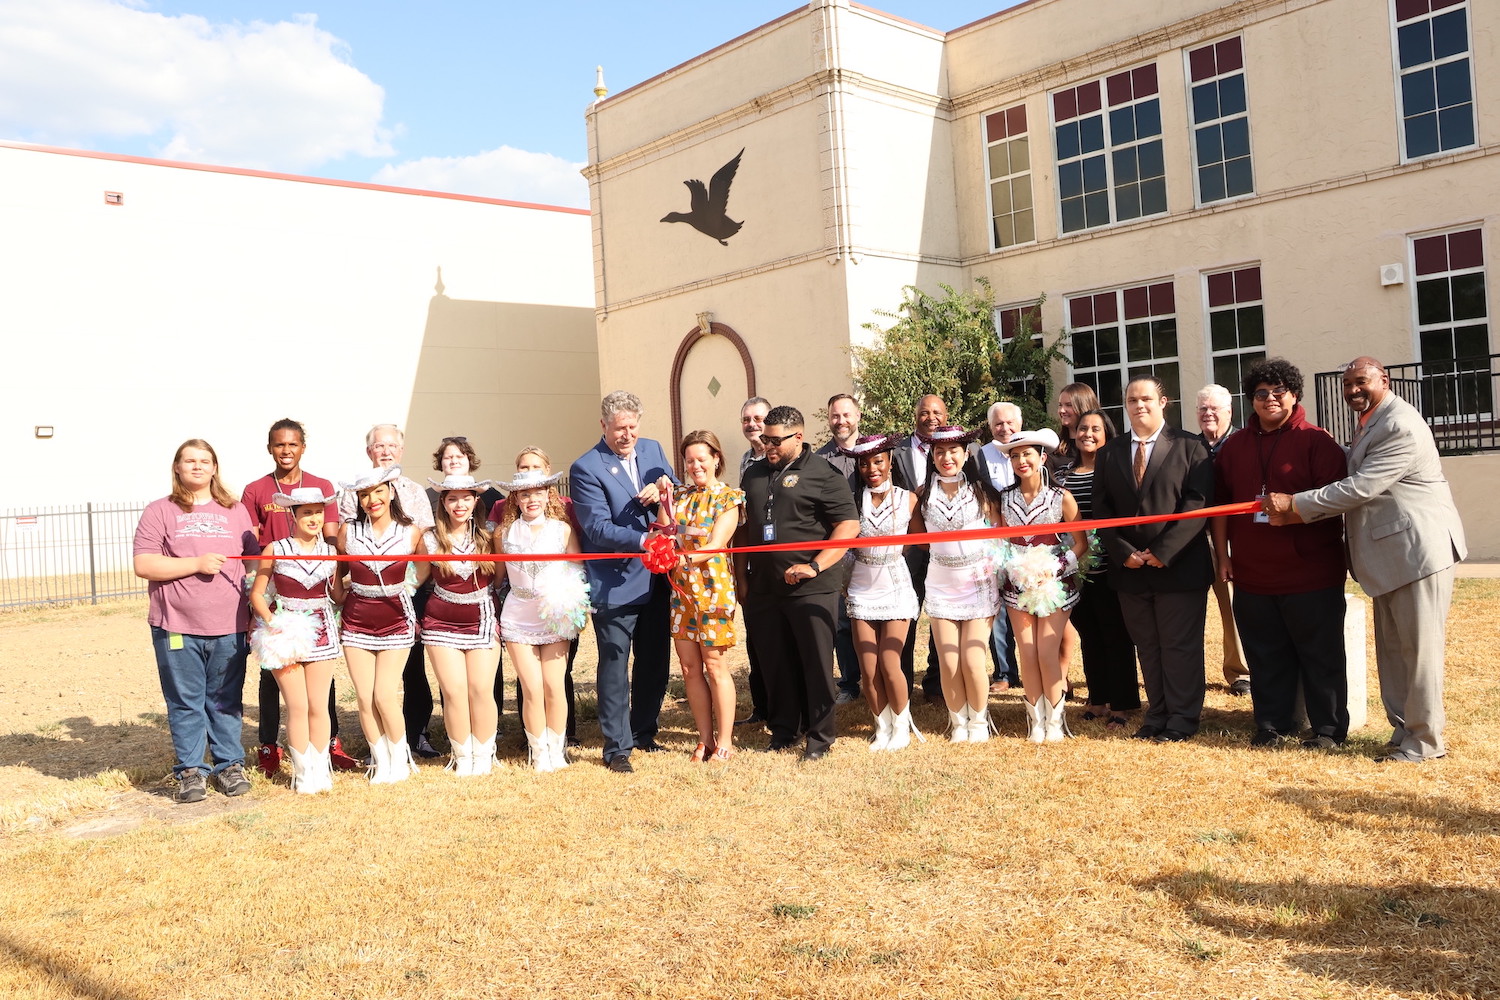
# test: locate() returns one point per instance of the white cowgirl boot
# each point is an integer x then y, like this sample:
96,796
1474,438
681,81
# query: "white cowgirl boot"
1055,720
559,746
402,764
979,724
1036,720
958,726
541,757
461,752
902,729
300,765
884,729
484,755
380,762
324,761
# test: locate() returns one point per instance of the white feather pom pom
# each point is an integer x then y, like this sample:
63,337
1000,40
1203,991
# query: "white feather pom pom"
290,637
1033,569
563,598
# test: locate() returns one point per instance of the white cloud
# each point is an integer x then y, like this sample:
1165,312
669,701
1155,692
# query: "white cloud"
514,174
273,96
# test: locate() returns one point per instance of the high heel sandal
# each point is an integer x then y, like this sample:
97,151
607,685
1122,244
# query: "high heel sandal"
701,753
722,753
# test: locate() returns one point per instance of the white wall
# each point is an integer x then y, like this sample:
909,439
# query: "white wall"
213,303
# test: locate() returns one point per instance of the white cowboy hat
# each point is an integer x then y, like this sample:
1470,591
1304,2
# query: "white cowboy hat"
371,478
529,479
303,495
951,435
451,482
869,444
1044,439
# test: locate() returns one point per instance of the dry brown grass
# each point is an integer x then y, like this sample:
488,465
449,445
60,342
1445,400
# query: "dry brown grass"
1101,867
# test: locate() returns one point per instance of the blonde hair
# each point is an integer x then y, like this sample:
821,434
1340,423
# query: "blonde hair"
182,496
532,449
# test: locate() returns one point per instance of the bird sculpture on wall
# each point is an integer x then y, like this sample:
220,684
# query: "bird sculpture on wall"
708,208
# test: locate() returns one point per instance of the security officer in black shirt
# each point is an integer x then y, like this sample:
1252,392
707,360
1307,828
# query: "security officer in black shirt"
791,598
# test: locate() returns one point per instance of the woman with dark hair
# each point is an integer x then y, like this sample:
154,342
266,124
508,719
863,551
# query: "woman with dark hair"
881,601
1073,400
704,513
455,456
1108,653
962,596
380,623
459,625
198,617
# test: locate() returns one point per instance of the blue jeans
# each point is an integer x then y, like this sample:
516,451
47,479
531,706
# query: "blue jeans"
843,652
630,700
203,684
1003,650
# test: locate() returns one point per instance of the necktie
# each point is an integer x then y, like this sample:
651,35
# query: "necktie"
1140,463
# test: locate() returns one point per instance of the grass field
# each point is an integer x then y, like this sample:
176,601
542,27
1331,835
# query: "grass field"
1102,867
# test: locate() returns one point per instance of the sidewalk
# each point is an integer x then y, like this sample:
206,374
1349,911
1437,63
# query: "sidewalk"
1479,570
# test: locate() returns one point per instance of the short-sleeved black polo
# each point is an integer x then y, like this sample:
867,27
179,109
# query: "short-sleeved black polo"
804,499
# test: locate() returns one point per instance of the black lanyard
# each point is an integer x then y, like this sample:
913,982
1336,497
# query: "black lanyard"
776,476
1265,463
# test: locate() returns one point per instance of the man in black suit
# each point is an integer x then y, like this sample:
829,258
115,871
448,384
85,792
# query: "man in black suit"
1162,571
910,460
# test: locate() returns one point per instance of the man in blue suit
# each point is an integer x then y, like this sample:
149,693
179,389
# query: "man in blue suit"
614,487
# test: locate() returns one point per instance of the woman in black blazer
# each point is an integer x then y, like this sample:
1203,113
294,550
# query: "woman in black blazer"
1161,571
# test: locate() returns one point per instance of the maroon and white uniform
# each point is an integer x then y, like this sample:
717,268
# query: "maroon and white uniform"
378,612
303,586
460,613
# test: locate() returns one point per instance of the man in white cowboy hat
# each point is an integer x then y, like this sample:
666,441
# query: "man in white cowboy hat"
385,444
287,442
615,491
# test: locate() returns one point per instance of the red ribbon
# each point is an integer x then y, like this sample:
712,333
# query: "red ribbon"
873,541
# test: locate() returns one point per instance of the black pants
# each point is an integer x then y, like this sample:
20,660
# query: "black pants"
932,680
1167,628
270,709
1108,653
795,639
1290,639
571,728
757,678
416,691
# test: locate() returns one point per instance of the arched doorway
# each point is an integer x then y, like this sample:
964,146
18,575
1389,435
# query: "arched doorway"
712,375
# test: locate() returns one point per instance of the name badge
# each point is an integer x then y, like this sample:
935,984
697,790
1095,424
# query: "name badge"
1260,516
768,533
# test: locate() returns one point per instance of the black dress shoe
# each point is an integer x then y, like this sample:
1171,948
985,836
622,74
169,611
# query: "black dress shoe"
776,746
1146,733
750,719
810,755
1240,688
650,746
621,765
1266,738
1171,736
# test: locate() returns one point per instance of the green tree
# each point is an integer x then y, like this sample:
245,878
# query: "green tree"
948,345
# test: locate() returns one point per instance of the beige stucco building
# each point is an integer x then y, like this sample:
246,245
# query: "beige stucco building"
1188,185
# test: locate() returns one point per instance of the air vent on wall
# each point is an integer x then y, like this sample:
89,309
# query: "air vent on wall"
1392,274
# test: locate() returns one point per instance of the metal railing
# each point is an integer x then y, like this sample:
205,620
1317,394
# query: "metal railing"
1456,397
61,555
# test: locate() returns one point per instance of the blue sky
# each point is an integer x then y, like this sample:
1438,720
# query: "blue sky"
480,97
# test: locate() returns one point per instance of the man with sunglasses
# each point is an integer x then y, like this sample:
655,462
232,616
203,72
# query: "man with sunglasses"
1404,540
1288,582
791,598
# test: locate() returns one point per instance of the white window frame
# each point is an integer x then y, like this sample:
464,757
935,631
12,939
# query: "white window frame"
1188,84
1236,391
1400,106
1107,151
989,182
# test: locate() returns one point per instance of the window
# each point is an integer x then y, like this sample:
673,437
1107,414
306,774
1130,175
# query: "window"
1008,166
1011,321
1236,331
1437,83
1221,121
1119,334
1110,166
1453,334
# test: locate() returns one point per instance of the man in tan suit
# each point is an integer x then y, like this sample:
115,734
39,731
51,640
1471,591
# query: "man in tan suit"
1404,538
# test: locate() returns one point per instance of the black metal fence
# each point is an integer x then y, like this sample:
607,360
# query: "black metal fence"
1456,397
62,555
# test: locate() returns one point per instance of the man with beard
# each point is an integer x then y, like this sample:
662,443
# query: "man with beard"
791,598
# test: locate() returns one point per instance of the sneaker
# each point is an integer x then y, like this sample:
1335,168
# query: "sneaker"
845,698
268,758
191,787
423,748
232,781
341,760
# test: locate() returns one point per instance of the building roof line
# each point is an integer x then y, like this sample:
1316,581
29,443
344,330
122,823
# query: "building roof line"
273,175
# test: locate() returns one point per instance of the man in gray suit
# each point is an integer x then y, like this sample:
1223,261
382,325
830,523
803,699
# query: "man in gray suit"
1404,538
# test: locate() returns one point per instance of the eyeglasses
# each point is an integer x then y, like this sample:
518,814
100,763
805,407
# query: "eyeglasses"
455,440
1264,394
776,442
